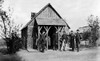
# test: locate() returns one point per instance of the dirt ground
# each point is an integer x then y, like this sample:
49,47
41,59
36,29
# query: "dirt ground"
50,55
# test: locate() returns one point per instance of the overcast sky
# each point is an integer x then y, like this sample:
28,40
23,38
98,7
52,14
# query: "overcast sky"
75,12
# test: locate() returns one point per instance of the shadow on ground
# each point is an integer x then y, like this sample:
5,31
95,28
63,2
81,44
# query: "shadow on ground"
13,57
8,57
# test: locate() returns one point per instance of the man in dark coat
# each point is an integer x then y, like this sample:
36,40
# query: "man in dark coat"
64,36
55,41
77,40
72,37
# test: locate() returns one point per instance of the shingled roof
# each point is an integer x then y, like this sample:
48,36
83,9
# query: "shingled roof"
42,21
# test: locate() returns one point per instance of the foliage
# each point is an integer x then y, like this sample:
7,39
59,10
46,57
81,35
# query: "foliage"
14,43
86,35
9,31
93,22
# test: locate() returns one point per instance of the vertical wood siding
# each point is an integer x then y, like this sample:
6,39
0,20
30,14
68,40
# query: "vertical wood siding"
48,13
29,37
24,37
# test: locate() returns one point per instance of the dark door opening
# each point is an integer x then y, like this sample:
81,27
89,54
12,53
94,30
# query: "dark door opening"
50,33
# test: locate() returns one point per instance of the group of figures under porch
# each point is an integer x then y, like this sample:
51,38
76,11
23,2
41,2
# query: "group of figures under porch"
49,37
56,41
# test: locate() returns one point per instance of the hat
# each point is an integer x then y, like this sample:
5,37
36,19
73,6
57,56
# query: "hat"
77,29
71,30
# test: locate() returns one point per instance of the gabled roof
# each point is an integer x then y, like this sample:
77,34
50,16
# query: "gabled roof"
59,21
48,5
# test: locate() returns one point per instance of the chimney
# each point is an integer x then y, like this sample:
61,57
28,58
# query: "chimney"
32,14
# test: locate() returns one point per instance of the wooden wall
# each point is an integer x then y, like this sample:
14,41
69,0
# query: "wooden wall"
29,35
48,13
24,37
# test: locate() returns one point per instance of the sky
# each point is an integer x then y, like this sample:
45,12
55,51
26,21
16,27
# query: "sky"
75,12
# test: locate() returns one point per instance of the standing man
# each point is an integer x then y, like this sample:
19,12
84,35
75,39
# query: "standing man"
64,40
77,40
72,37
55,41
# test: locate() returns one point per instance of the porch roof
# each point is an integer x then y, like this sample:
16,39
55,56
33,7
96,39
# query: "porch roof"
58,22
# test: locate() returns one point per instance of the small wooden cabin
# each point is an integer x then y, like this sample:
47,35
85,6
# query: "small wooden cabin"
46,19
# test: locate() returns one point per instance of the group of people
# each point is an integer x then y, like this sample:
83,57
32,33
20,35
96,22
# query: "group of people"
71,40
75,40
59,42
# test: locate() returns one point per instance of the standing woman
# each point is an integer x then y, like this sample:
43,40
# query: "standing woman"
72,37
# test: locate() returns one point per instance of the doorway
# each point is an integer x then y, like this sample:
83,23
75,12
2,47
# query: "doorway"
50,33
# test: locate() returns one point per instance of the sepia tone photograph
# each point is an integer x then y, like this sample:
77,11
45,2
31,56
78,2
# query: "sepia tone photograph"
49,30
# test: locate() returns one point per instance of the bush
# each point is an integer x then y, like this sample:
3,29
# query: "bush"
13,44
3,50
86,35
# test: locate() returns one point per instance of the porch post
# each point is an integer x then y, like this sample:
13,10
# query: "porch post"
39,29
47,30
63,28
59,35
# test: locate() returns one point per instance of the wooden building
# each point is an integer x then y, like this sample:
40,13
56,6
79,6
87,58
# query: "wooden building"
46,19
